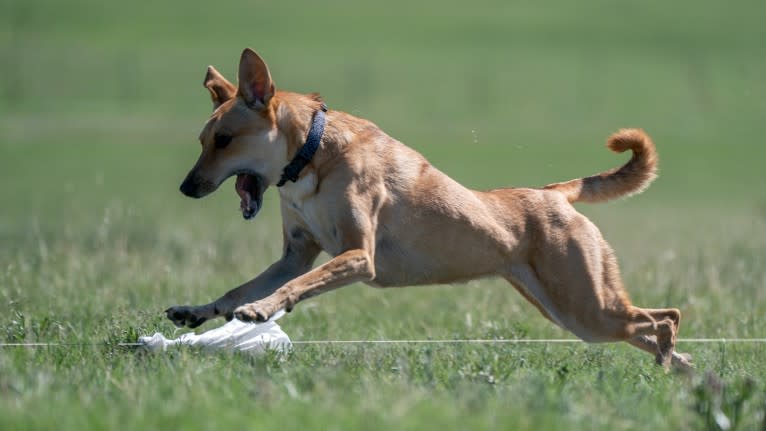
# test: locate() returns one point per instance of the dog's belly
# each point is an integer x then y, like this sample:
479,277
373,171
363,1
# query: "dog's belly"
418,269
405,263
433,236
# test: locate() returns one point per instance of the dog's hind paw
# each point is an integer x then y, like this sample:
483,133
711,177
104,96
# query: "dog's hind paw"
682,361
185,316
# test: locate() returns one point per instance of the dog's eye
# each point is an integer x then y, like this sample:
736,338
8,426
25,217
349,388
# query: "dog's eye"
221,141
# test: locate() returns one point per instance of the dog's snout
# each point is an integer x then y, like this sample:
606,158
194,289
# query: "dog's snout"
196,186
190,187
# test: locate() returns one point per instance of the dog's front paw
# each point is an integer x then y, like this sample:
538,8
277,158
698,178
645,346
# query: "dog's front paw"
253,312
183,315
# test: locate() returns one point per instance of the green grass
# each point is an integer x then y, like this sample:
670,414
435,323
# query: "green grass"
100,106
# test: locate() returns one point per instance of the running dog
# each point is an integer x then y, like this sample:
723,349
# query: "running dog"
388,218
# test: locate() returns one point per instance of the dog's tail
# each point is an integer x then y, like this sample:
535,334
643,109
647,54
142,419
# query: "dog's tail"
629,179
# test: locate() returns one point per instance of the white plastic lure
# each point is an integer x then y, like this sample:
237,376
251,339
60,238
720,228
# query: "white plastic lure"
234,335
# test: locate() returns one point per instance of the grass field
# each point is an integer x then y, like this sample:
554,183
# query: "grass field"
100,106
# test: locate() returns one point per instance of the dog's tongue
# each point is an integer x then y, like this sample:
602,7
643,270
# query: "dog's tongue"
241,191
250,193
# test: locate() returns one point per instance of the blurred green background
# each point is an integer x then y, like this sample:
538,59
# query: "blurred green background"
100,106
495,93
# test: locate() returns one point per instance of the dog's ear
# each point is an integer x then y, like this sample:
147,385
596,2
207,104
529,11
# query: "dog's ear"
220,88
255,84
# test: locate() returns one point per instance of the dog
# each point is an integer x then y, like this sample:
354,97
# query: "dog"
389,218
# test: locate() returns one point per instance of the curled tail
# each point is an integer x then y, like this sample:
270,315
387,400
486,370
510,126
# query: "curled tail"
629,179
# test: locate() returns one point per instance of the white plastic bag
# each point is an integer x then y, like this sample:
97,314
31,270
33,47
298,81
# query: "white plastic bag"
234,335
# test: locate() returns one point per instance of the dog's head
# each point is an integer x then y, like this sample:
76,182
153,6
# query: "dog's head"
241,137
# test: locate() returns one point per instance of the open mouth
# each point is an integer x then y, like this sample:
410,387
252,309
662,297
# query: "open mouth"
250,188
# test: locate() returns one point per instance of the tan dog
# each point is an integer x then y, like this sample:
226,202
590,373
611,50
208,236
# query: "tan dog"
389,218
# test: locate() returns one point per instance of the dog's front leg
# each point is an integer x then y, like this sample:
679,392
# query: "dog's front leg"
299,254
346,268
259,287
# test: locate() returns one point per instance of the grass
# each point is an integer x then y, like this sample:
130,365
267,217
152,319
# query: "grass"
100,104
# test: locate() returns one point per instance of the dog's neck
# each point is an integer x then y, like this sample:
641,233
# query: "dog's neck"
294,113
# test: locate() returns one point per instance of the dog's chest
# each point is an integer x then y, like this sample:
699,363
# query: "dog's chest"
302,200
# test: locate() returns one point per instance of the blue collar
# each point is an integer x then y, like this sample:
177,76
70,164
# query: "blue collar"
307,151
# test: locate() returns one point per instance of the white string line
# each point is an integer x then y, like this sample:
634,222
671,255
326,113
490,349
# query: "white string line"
458,341
518,341
68,344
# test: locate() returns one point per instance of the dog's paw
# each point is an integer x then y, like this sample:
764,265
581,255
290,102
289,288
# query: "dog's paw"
682,361
185,316
253,312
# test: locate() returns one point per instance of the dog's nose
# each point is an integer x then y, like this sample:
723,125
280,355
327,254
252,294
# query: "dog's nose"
189,187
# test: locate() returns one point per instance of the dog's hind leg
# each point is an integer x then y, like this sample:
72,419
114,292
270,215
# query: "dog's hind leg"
648,344
526,282
673,314
631,325
634,326
623,322
579,276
